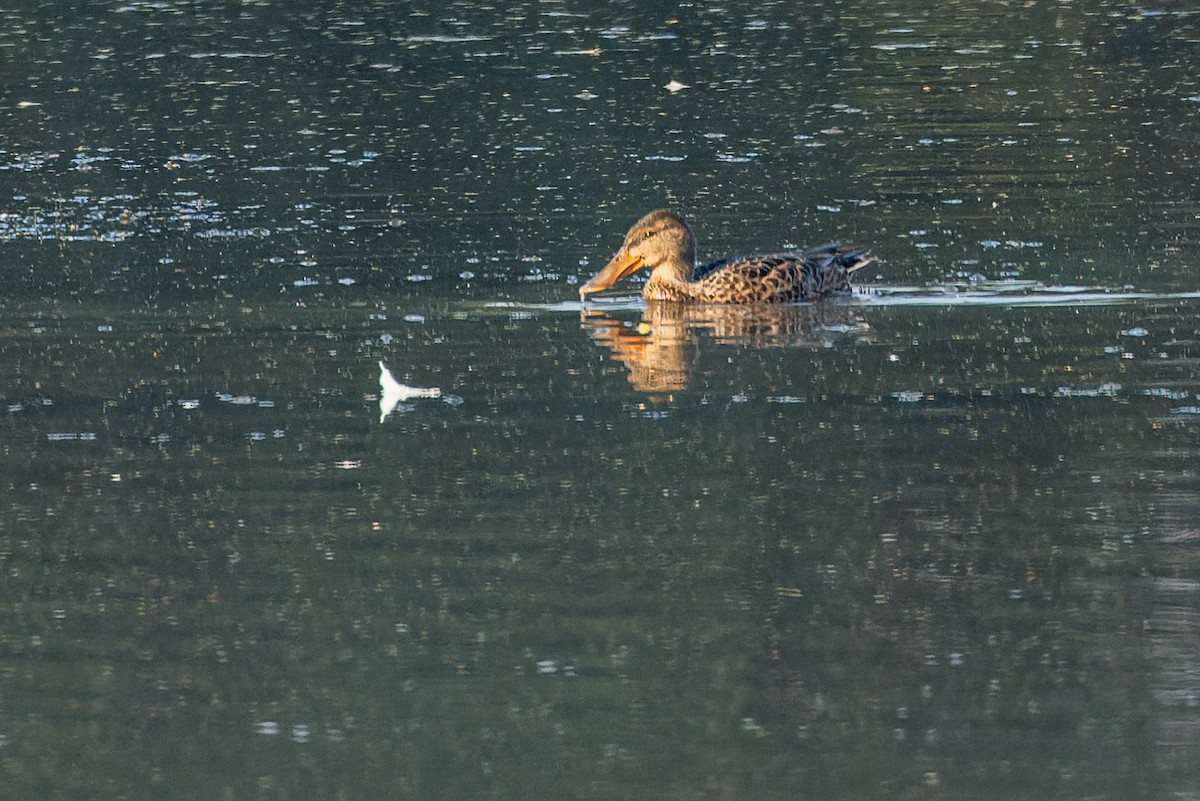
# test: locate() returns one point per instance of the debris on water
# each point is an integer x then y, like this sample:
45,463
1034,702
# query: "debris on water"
846,328
392,393
1137,331
243,400
267,728
1164,392
71,436
893,46
734,158
1106,390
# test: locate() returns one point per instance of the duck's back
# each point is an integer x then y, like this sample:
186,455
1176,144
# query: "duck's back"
776,278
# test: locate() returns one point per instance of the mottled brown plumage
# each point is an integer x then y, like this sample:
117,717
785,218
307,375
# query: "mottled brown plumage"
663,242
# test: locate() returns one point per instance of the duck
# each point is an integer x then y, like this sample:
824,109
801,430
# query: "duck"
662,242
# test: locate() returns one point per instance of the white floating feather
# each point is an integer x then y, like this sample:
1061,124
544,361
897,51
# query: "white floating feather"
392,393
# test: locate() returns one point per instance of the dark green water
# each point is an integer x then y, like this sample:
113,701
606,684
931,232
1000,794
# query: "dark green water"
917,544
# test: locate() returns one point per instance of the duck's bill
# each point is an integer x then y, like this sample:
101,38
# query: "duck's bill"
622,264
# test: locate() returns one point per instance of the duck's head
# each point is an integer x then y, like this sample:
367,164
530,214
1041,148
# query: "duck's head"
661,237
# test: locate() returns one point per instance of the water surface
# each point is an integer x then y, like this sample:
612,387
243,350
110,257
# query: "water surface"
933,540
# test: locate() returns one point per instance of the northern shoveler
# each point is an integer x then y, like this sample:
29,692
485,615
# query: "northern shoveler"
663,242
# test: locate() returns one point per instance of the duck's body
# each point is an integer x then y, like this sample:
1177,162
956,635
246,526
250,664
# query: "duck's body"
663,242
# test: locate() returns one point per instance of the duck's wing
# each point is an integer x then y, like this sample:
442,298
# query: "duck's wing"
776,278
752,267
702,271
823,256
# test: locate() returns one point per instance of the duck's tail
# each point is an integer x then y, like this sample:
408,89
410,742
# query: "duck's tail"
855,260
849,259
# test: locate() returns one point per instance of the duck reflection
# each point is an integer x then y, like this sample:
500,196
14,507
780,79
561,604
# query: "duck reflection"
660,348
